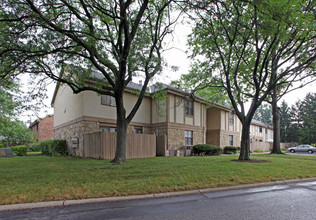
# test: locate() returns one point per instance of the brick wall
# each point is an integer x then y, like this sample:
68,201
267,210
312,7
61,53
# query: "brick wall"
46,128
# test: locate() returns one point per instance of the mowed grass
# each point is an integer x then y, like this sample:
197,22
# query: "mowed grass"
34,179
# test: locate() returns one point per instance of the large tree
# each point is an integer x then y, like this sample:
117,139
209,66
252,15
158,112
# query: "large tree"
250,47
285,121
11,99
264,114
97,45
308,117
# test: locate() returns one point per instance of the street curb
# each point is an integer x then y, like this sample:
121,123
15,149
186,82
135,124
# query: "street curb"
53,204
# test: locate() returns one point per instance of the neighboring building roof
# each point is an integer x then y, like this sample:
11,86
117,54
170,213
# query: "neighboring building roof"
38,120
260,123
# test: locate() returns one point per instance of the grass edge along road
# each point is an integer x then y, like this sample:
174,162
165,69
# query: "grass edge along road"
36,179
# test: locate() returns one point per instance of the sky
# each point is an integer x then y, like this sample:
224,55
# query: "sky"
175,55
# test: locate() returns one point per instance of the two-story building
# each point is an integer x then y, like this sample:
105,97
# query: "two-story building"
182,118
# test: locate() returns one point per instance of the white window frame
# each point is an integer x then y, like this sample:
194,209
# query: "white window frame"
108,100
231,140
231,118
107,129
188,138
189,107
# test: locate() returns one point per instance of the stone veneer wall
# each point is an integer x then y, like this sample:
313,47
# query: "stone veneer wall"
76,131
213,137
224,140
220,138
176,138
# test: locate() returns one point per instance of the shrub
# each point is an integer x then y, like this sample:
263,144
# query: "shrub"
56,147
206,149
258,151
230,150
35,148
19,150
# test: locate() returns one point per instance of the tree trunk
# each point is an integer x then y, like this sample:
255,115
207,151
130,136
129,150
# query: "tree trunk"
276,124
121,131
245,142
120,153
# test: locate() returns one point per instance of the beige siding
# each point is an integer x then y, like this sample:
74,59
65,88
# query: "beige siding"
92,107
189,120
203,119
67,106
171,108
197,114
213,119
159,111
179,110
224,122
143,113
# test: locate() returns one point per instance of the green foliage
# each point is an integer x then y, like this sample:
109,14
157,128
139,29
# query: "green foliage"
16,132
258,151
35,148
285,122
206,149
264,114
160,99
212,92
105,42
251,47
57,147
298,123
308,117
230,150
20,150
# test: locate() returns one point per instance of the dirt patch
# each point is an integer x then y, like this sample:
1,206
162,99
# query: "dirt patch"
253,161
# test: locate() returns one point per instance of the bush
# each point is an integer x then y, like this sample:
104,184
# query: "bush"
230,150
35,148
19,150
56,147
258,151
206,149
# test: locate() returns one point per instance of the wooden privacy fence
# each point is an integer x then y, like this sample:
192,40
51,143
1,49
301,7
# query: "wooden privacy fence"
260,146
102,145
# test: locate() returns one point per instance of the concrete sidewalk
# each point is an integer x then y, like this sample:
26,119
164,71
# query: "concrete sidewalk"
147,196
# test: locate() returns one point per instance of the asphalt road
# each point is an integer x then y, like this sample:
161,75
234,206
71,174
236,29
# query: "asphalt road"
287,201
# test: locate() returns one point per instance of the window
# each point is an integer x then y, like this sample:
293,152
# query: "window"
231,118
260,129
231,140
138,130
188,136
266,130
107,129
108,100
188,107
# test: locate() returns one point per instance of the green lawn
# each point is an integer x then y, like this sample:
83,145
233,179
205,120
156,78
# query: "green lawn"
34,179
